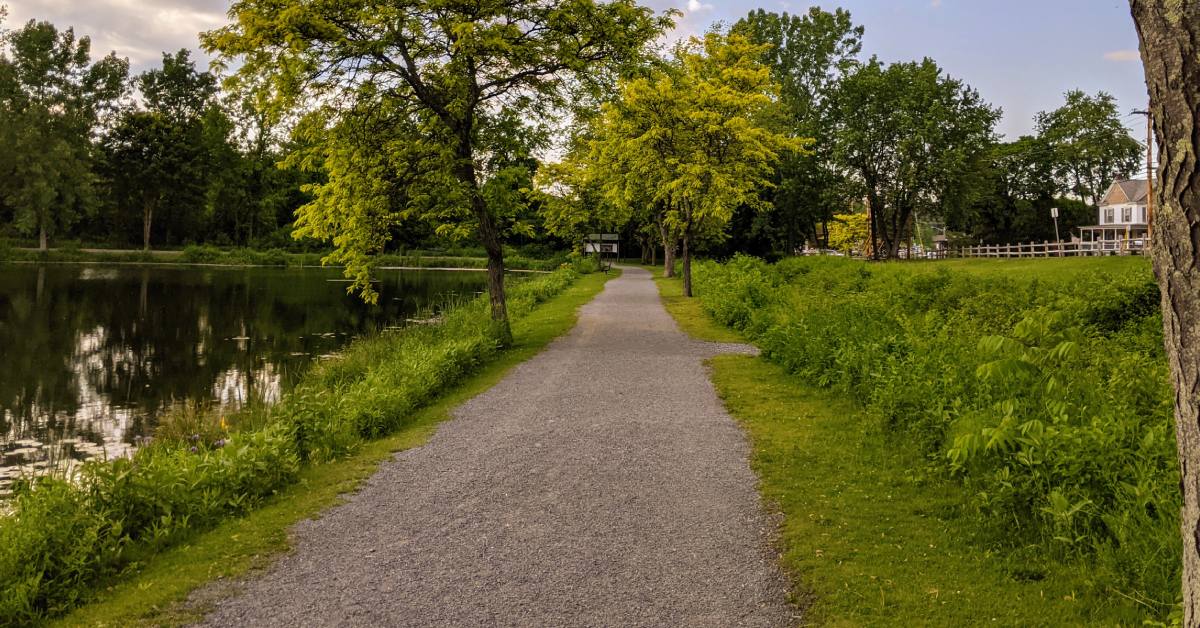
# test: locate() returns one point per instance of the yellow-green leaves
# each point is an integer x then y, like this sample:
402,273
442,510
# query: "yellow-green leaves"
691,136
434,106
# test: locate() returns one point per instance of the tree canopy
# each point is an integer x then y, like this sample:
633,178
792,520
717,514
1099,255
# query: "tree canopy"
913,138
694,138
1091,147
465,83
52,99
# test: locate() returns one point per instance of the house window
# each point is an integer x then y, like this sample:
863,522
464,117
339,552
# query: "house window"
1108,215
1127,214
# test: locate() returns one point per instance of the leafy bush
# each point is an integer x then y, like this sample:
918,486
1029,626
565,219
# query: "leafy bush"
1048,397
64,535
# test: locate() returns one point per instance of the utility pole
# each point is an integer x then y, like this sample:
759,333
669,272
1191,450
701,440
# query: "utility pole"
1149,174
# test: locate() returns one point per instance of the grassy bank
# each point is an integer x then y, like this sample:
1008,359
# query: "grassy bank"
886,522
513,260
133,532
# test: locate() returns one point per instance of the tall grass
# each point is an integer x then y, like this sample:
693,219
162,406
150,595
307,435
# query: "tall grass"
66,533
1047,397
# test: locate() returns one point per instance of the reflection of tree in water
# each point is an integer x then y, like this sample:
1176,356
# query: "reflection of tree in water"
100,352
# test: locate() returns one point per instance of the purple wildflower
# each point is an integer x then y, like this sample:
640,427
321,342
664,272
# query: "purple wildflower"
194,449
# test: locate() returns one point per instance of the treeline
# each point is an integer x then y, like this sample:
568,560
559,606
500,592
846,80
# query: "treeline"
167,157
891,154
153,159
164,158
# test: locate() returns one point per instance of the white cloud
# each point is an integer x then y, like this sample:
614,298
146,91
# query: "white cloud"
140,30
695,5
937,4
1123,55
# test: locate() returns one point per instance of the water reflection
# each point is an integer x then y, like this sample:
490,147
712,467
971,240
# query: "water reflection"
90,356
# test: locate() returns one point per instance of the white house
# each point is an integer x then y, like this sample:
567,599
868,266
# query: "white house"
1122,218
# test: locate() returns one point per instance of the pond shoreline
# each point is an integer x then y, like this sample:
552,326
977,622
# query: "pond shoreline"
100,351
275,266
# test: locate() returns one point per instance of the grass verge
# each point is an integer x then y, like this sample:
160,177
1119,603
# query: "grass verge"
155,591
868,537
688,313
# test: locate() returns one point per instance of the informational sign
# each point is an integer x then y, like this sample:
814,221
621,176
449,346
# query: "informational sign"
604,245
1054,212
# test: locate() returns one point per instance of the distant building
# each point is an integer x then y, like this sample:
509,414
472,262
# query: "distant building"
1122,222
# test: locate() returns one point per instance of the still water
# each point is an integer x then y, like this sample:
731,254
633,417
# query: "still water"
90,356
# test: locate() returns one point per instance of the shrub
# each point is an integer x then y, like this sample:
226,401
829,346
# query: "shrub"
65,535
1047,397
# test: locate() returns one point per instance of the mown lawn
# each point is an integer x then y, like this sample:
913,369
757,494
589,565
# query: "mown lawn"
155,592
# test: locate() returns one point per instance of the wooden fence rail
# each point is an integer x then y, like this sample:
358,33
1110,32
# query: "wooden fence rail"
1124,246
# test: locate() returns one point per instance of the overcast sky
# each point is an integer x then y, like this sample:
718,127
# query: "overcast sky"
1022,55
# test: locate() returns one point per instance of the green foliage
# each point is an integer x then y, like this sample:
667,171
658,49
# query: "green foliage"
1090,144
848,233
694,138
156,158
64,535
809,54
52,98
913,137
1048,399
430,109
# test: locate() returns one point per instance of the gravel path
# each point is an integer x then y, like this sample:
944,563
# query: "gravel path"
601,483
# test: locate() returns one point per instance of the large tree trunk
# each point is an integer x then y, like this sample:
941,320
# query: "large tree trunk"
43,241
489,237
1170,42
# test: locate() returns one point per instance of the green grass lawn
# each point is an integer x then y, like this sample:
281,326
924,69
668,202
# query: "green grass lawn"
154,591
870,538
1041,268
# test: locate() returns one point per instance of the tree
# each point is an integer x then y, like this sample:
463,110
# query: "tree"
693,137
1169,31
913,137
157,157
1091,146
52,98
808,56
849,232
461,80
1016,189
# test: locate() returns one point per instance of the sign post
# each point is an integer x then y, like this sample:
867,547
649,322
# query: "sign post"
601,244
1057,239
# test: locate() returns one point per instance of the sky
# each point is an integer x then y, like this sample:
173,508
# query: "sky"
1022,55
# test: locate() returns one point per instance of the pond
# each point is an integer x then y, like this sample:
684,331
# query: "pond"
91,355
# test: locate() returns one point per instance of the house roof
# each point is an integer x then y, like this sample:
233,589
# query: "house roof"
1126,191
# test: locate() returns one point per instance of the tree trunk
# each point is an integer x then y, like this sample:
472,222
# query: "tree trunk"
489,237
43,241
1169,31
687,263
668,249
873,221
147,218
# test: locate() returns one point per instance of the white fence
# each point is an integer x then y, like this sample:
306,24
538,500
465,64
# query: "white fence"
1124,246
